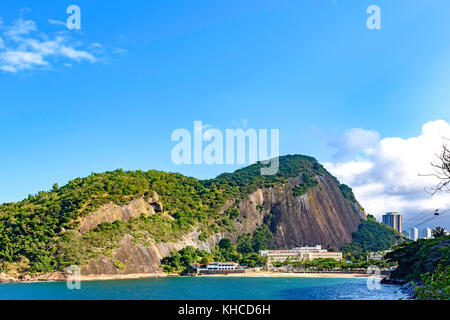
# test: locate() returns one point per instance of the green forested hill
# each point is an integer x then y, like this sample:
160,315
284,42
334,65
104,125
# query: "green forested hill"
372,236
39,234
425,262
418,257
30,229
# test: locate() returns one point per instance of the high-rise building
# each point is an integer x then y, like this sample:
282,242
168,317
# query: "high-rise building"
426,233
413,234
393,220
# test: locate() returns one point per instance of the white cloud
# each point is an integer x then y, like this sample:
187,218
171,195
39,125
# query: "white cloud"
22,59
386,173
120,51
23,47
352,142
56,22
77,55
20,27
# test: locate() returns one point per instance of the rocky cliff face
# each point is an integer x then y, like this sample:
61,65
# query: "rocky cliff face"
112,212
321,216
133,258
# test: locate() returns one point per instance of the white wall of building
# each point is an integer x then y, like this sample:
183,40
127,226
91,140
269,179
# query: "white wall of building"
426,233
413,234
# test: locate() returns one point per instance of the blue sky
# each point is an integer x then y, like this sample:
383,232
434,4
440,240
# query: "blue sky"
310,68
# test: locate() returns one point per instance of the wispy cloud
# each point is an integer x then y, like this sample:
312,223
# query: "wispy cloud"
56,22
120,51
20,27
24,47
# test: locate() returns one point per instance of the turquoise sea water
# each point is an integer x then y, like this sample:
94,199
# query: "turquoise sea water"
211,288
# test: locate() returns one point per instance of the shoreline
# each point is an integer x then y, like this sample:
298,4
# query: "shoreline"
268,274
59,277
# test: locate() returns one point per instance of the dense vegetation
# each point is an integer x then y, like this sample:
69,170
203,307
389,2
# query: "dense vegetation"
261,239
435,285
347,192
371,236
307,183
426,262
421,256
329,264
39,234
244,181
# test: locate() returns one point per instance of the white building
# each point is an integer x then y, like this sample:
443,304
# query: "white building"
378,256
307,248
413,234
215,266
299,254
426,233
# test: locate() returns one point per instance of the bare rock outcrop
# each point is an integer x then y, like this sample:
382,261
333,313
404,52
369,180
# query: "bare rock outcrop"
6,278
112,212
321,216
133,258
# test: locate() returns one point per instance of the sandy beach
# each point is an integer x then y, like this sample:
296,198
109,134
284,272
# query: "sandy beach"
289,274
260,274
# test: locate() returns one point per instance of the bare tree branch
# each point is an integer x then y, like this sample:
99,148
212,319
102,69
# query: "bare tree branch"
441,170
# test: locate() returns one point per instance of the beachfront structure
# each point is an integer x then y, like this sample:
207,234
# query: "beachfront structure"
413,234
216,266
393,220
426,233
378,255
299,254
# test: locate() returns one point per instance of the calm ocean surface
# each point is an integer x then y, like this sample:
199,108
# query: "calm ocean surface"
206,288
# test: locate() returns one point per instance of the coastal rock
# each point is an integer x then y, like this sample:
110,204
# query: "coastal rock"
6,278
55,276
27,278
409,289
387,280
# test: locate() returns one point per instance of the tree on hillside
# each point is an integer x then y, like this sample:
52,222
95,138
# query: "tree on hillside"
225,243
438,232
206,260
442,170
